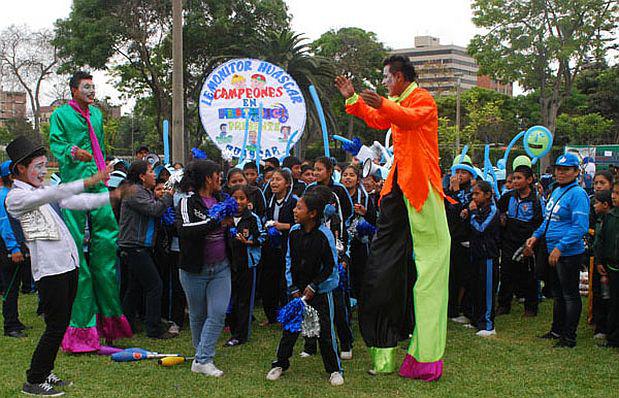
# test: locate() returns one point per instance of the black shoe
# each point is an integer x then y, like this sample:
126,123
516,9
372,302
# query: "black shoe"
550,336
18,334
233,343
57,381
502,311
563,343
43,390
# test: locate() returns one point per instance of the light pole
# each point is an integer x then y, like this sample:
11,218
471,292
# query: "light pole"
179,153
458,82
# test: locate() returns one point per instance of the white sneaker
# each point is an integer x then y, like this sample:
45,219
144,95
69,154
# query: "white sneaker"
468,326
336,379
599,336
486,333
304,354
461,319
275,373
346,355
208,369
174,329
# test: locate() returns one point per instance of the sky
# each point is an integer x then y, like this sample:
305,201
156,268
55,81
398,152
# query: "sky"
395,22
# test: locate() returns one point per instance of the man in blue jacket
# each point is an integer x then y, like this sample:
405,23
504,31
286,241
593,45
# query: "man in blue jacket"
13,261
565,224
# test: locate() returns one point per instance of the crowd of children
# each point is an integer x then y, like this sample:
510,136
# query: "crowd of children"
304,229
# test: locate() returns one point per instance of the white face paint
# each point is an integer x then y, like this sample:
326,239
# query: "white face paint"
85,92
37,170
388,79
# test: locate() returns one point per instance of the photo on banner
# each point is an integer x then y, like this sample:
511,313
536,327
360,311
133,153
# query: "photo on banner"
229,107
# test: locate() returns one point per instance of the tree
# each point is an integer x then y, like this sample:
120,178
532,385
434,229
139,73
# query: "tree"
589,129
132,38
542,44
28,58
358,55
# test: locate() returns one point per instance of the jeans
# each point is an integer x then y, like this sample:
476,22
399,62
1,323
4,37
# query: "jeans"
144,281
567,302
208,295
57,293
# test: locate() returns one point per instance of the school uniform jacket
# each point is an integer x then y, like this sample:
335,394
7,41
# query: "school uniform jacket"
242,255
311,260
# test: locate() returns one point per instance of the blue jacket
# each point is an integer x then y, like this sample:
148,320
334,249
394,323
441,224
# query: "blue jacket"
10,230
311,260
569,221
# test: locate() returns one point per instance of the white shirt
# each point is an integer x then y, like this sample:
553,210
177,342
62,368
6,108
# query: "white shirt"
52,257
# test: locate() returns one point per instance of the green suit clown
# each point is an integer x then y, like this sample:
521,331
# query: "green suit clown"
76,132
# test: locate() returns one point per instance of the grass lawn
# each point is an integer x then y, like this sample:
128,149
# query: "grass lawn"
514,364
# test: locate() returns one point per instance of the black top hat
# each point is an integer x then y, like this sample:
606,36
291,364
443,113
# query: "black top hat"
20,148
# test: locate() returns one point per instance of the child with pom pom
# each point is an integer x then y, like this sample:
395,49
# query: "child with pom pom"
311,273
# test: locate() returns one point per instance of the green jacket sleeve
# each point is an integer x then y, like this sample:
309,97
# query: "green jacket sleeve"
58,141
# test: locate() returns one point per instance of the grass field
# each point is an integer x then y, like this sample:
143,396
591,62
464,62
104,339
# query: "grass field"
514,364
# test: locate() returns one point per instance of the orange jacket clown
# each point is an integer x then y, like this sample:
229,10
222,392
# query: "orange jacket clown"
411,248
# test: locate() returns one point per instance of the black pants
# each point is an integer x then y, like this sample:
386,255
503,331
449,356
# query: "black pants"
144,281
601,306
486,282
243,296
272,281
173,301
462,275
342,322
612,326
518,274
323,303
385,305
27,283
567,307
57,293
358,261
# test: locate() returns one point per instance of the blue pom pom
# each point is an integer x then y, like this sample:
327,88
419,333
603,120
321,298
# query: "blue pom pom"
169,217
232,231
354,147
275,237
364,229
291,315
198,153
224,209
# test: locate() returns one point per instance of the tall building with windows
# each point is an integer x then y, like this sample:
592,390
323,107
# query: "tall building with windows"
440,68
12,105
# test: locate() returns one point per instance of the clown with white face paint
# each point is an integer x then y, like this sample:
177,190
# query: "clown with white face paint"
53,252
77,141
412,242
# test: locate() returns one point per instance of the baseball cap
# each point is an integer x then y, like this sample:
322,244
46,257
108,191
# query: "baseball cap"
5,168
568,159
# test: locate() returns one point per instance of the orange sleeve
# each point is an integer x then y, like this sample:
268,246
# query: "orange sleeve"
372,117
418,111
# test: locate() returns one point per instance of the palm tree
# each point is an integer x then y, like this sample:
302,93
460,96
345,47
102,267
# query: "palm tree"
291,52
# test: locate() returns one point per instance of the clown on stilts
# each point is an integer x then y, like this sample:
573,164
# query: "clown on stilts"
407,273
77,141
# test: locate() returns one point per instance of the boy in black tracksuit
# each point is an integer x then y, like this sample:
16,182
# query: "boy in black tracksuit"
245,256
485,229
460,270
522,212
311,272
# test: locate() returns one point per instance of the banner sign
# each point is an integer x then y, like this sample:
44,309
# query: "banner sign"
229,104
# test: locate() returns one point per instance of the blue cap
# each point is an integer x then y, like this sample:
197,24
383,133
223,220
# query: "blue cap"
568,159
5,168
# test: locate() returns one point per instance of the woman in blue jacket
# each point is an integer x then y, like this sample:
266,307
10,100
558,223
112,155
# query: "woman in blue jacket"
565,224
